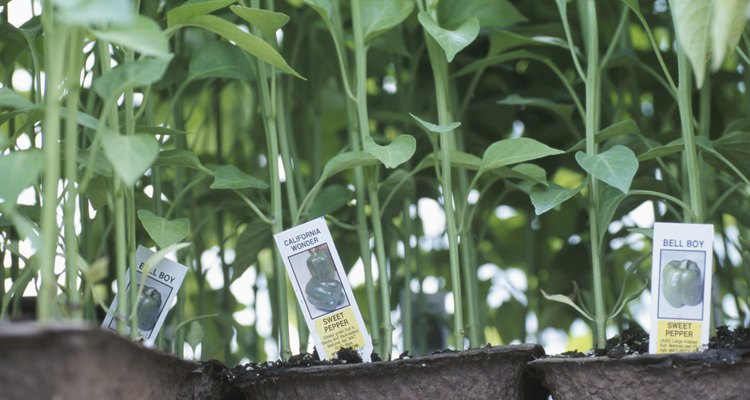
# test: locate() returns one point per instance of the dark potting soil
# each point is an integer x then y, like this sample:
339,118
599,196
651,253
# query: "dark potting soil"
634,340
254,370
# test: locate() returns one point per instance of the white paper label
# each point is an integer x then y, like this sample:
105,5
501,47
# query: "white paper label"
157,294
322,289
681,272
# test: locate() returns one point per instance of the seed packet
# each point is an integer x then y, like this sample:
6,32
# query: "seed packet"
322,289
156,293
681,272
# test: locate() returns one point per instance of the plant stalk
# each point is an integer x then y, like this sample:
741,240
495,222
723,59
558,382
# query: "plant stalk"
593,89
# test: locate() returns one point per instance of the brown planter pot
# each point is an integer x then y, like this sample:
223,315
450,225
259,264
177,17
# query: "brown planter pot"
488,373
79,362
712,374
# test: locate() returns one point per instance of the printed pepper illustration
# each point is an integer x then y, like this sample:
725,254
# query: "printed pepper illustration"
149,304
682,283
323,290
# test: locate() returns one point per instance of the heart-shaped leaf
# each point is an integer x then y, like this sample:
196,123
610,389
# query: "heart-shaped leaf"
343,161
179,158
163,231
142,34
230,177
616,166
545,198
451,41
491,13
268,22
18,170
329,200
129,75
691,20
85,13
379,16
620,128
513,151
609,200
220,60
394,154
130,156
256,236
727,25
432,128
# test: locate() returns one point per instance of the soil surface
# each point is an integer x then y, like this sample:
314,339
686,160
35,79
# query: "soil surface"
720,372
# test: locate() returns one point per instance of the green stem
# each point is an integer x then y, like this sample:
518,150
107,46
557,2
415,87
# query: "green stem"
440,73
130,205
360,56
75,57
51,150
408,314
684,101
272,138
593,84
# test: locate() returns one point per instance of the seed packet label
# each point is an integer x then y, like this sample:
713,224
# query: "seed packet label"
322,289
681,272
157,292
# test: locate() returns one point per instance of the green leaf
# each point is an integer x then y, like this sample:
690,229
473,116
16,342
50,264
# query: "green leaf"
513,151
158,130
230,177
633,4
451,41
344,161
395,153
130,75
247,41
163,231
99,164
735,147
616,166
503,40
691,19
329,200
379,16
323,7
86,13
491,13
609,200
672,147
727,25
26,228
268,22
192,9
621,128
130,156
566,300
529,173
9,99
179,158
563,110
545,198
256,236
142,35
18,170
459,159
220,60
432,128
